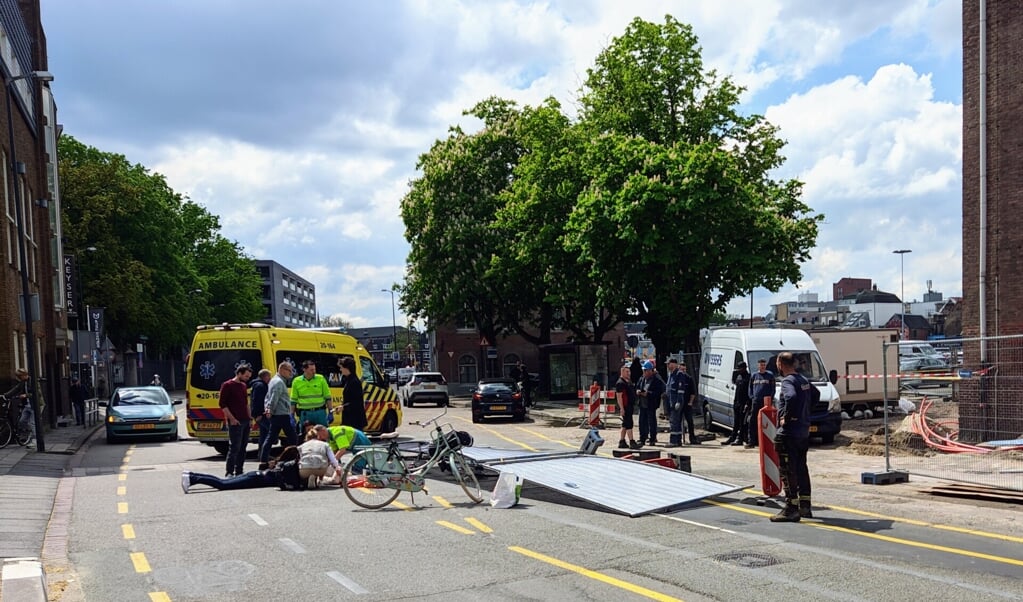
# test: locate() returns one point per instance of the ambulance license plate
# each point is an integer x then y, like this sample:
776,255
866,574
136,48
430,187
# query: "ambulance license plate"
209,426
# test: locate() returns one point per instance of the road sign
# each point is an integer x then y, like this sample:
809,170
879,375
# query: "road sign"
491,353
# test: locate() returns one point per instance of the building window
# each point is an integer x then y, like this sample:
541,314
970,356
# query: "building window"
465,322
467,369
510,360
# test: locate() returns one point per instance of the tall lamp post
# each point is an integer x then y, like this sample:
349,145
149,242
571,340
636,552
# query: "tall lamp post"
26,298
902,282
394,326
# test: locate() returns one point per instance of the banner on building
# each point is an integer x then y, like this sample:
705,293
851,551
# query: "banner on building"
70,285
96,326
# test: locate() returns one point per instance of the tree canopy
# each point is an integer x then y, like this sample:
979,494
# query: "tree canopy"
658,201
154,259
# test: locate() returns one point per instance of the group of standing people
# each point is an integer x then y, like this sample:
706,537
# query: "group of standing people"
651,394
276,408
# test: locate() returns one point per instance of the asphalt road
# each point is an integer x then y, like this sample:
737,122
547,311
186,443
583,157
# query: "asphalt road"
135,536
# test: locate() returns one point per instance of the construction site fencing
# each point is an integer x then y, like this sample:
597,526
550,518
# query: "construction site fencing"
962,422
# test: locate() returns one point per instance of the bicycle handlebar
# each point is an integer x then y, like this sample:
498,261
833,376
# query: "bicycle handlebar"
433,420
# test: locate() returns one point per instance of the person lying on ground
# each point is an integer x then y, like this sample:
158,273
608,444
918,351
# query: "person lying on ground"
250,480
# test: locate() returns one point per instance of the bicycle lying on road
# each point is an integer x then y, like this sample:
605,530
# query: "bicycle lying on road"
21,429
376,475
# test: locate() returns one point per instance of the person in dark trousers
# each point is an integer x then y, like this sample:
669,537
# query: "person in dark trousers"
740,406
527,385
675,392
648,393
353,413
687,394
234,402
78,394
626,393
761,392
793,440
277,410
257,398
635,370
251,480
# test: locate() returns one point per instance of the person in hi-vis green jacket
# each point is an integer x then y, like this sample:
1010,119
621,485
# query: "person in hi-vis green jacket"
311,395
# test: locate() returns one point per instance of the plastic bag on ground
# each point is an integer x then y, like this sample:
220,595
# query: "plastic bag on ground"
507,491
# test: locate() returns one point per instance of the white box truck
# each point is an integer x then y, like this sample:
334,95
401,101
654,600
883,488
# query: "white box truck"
861,360
724,348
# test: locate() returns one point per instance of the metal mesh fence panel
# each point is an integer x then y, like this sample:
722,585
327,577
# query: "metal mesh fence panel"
962,420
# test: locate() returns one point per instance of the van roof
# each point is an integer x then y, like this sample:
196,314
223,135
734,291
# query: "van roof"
763,338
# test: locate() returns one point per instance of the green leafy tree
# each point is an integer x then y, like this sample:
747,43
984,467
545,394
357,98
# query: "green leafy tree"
680,208
153,250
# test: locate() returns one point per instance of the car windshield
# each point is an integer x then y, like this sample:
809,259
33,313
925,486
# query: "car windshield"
142,397
496,388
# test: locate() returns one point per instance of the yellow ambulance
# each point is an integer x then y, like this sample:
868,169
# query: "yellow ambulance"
218,349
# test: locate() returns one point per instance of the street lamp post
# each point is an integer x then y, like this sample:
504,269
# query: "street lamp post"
394,325
26,298
902,283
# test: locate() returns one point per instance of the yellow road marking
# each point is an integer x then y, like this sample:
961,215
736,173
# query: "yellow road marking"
500,436
128,531
140,562
129,452
483,528
631,587
401,506
159,597
122,490
896,540
122,507
125,461
915,522
545,437
122,477
442,501
455,527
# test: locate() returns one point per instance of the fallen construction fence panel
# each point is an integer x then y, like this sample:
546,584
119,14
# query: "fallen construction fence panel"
975,436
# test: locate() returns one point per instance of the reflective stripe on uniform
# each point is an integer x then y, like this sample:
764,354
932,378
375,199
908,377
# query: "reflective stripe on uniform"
309,394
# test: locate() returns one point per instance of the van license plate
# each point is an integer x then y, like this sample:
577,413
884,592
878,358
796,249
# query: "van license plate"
209,426
142,427
813,429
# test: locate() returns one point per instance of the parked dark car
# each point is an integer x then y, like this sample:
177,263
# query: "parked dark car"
497,397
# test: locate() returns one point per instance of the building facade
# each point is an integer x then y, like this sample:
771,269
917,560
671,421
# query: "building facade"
992,215
288,299
32,209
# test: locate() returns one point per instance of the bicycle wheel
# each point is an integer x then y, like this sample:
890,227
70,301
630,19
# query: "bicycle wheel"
466,476
366,478
24,436
5,433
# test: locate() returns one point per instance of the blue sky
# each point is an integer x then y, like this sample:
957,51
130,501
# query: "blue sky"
299,123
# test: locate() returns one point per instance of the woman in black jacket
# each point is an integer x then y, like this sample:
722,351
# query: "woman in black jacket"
353,413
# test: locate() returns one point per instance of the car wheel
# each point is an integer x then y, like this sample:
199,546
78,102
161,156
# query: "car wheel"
708,420
520,417
828,439
476,419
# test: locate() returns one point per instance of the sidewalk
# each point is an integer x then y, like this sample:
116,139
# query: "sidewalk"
29,484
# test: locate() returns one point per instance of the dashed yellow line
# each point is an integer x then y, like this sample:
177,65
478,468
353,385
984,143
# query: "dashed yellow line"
887,538
122,507
122,491
122,477
442,501
129,452
545,437
159,597
128,531
401,506
630,587
482,528
456,528
500,436
141,564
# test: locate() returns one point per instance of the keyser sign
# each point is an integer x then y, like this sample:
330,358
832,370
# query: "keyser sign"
70,285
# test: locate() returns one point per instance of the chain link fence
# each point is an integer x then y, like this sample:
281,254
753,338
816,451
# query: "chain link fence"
963,420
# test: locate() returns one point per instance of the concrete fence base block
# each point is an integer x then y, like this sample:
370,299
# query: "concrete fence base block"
23,580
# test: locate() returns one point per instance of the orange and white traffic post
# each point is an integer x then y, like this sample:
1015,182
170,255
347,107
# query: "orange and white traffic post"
770,465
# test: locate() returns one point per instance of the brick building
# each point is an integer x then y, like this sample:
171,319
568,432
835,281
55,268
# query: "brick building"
981,403
31,191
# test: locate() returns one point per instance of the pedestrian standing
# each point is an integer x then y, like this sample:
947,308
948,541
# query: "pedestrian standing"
310,393
78,393
635,370
740,406
277,410
687,394
527,385
156,382
353,412
235,404
649,392
761,392
793,440
257,405
626,393
674,390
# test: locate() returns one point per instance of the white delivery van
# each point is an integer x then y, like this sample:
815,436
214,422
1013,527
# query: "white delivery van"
724,348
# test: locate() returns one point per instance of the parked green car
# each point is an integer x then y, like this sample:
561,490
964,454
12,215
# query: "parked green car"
141,412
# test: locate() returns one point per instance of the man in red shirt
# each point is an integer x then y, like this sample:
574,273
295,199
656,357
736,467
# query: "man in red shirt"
234,401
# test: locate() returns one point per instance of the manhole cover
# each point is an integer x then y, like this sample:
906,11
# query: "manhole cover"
750,560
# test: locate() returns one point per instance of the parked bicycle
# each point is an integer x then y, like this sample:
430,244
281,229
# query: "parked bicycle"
22,428
376,475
